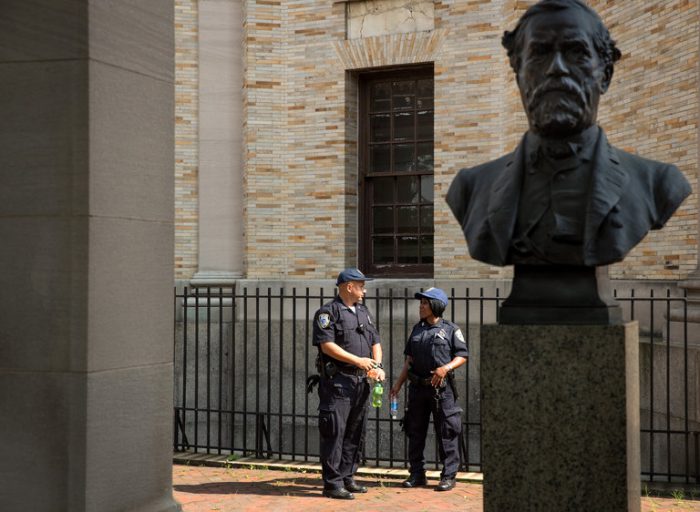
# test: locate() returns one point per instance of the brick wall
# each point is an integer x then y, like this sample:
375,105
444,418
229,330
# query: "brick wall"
186,131
301,131
652,109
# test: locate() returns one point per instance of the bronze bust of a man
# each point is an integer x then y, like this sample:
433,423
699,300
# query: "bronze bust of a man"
565,199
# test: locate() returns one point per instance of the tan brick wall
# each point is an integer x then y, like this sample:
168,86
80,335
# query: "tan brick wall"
301,131
186,131
652,109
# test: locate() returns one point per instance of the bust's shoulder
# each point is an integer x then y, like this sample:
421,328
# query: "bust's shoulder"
651,176
485,169
634,161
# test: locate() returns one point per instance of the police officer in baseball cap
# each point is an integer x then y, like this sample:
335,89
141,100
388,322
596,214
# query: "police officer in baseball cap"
435,348
349,353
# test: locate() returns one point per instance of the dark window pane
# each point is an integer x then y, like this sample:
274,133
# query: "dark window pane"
403,102
379,127
404,95
379,158
382,250
403,158
424,157
383,221
425,87
403,125
426,219
383,190
407,219
404,87
380,96
426,189
422,103
426,249
407,249
399,224
425,125
407,189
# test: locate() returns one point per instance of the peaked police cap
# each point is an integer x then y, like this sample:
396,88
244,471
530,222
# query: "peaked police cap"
433,293
351,274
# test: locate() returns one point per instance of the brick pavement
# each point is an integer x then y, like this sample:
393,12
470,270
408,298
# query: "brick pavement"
200,489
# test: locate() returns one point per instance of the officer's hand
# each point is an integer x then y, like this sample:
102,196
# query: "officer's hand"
394,391
376,374
440,372
439,375
365,363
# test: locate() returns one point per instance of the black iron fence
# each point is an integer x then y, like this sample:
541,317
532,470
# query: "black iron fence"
242,359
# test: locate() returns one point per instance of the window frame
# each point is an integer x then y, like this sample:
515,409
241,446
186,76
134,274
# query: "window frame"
395,270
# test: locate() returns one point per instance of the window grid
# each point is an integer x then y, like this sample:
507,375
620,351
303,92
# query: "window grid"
397,178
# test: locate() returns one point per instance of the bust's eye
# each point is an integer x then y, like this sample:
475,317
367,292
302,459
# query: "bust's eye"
578,50
539,49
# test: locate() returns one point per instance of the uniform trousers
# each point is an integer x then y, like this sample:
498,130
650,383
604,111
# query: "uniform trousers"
447,419
342,419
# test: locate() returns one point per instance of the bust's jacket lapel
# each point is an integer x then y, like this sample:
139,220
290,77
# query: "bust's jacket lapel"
504,199
607,186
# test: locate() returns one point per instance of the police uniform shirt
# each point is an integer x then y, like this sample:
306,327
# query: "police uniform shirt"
556,180
353,331
432,346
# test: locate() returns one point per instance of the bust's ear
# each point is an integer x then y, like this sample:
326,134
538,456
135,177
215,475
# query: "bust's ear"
607,78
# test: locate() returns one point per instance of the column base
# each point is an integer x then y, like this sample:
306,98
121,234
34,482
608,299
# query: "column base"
560,417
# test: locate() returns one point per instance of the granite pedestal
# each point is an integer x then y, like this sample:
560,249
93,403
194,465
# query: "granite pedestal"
560,418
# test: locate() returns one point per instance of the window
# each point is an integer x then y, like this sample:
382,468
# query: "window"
396,172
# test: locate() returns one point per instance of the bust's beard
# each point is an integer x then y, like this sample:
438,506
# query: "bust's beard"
558,116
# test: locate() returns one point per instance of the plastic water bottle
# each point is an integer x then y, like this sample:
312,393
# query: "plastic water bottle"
377,393
394,407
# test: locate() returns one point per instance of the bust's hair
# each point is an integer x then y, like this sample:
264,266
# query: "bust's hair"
602,41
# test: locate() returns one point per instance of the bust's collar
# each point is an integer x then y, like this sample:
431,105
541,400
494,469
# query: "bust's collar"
581,145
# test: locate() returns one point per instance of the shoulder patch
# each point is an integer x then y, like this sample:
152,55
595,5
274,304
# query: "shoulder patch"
324,320
459,335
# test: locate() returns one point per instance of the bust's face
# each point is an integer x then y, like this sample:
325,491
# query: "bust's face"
561,77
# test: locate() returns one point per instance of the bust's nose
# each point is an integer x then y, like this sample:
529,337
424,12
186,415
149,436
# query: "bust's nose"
557,67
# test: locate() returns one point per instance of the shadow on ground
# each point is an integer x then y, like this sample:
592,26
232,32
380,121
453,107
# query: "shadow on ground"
303,487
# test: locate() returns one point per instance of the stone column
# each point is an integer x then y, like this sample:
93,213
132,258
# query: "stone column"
86,223
560,417
220,142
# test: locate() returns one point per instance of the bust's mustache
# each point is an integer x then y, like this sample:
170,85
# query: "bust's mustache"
564,85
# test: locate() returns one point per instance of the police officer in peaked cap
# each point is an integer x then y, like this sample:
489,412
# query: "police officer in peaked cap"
349,353
433,351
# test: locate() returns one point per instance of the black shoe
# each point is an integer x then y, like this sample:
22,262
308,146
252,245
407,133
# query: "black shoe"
416,480
353,486
338,494
445,484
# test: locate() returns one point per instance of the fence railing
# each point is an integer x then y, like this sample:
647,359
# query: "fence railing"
242,359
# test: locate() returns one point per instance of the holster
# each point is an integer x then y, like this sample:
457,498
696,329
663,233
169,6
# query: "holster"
453,384
326,369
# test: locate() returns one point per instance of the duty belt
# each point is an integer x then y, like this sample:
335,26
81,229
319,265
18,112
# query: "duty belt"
415,379
351,370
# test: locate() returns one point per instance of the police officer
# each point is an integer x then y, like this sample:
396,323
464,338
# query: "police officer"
433,350
349,353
